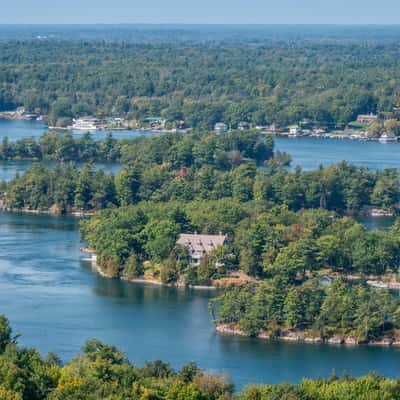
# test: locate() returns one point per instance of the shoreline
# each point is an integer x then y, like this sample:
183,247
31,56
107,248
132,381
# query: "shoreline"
373,213
96,268
300,337
52,212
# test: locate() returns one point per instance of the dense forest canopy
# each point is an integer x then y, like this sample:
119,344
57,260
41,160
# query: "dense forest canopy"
340,309
240,165
328,80
263,242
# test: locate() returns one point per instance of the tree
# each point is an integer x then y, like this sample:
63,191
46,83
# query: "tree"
127,183
161,237
5,333
386,192
133,268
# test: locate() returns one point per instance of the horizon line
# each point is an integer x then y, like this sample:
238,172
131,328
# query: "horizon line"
195,24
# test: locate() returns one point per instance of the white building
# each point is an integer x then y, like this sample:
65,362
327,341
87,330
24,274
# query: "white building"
295,131
220,127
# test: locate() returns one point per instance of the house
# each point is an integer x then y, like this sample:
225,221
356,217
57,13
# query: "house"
243,125
20,111
200,245
366,118
155,122
220,127
294,130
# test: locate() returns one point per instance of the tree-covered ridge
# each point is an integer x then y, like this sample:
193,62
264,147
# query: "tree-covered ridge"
176,150
186,167
263,242
102,372
53,146
317,312
160,168
329,82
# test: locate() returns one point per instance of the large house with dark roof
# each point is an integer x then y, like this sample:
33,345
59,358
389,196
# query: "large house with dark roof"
200,245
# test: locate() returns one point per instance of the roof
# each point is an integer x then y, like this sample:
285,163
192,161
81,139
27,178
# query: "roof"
201,243
367,116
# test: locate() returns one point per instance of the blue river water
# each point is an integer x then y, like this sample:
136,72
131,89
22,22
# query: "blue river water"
56,302
20,129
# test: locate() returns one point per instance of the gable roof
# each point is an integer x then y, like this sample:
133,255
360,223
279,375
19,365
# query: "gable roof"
201,244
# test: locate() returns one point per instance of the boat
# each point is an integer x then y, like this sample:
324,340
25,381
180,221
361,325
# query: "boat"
388,138
86,124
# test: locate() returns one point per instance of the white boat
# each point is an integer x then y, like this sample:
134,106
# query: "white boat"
86,124
388,138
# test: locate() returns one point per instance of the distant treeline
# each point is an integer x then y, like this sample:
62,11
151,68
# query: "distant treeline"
277,81
62,147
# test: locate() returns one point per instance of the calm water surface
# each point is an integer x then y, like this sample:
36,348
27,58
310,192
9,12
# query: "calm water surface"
56,302
309,153
19,129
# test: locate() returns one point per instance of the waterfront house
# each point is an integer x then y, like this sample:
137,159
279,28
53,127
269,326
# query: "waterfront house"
366,118
294,131
243,125
200,245
220,127
156,123
20,111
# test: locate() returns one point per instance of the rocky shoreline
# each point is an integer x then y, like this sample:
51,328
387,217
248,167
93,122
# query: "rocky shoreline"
96,268
50,211
300,337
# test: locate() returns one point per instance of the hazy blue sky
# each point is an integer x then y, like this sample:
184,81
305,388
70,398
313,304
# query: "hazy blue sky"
201,11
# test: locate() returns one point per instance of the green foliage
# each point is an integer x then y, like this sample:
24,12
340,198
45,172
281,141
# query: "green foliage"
370,387
102,372
330,82
339,309
5,333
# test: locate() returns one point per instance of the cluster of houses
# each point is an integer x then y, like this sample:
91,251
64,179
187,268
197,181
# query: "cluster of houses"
21,113
307,128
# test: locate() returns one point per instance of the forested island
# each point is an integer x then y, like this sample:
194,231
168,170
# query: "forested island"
246,220
102,372
240,164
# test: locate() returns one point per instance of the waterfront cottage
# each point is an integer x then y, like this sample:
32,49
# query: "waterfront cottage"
295,130
243,125
200,245
366,118
220,127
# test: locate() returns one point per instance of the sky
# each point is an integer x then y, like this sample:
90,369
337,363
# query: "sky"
200,11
